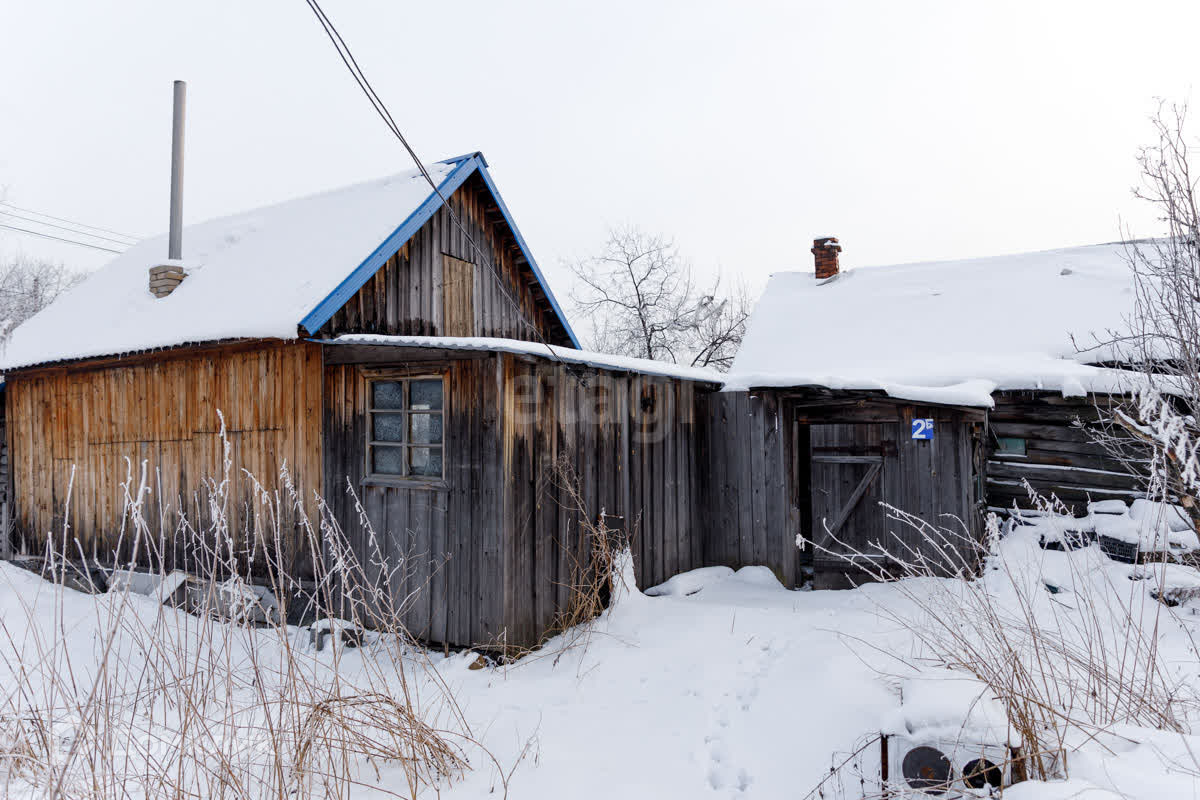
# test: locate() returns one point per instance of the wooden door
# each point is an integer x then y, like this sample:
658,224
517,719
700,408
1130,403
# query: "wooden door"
850,464
458,297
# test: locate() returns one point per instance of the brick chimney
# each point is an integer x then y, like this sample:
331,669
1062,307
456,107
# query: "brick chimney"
164,279
825,252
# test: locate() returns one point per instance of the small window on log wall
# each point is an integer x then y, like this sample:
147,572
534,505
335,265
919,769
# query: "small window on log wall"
1010,446
458,297
404,432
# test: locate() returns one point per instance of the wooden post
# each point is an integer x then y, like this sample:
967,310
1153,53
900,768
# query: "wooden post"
883,765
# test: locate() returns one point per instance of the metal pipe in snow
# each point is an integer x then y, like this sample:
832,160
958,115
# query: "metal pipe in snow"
175,245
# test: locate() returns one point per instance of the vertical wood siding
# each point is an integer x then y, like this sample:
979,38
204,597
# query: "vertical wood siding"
490,552
442,539
76,432
755,471
407,296
631,440
752,514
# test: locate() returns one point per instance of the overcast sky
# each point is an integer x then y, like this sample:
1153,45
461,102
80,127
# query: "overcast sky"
912,131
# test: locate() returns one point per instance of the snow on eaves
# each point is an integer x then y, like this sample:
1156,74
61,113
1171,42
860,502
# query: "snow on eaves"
250,275
945,332
642,366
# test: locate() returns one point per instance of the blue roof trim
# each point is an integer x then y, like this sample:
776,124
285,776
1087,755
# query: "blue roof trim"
466,165
464,157
356,279
562,318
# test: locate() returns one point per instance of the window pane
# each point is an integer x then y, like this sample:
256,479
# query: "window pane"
425,395
425,428
1010,445
387,460
425,461
387,394
387,427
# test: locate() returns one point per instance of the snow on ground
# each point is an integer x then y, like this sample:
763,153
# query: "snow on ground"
726,685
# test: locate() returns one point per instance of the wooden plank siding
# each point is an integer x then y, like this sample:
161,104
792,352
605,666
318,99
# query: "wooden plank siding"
760,481
1061,455
440,540
746,482
493,548
416,293
631,441
937,480
77,432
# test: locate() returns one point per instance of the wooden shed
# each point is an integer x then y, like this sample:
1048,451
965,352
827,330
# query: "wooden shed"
896,386
384,353
797,478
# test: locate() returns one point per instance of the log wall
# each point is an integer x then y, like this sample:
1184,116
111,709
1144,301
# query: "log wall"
1061,457
408,296
77,432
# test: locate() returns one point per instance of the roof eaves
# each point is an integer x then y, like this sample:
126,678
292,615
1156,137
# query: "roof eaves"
325,309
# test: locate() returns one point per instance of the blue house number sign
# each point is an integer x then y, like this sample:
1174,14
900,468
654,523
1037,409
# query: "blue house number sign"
922,429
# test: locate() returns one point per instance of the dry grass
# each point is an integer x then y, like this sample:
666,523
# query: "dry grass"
155,702
595,577
1067,670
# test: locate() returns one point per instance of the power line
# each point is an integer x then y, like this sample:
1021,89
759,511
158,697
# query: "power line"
381,109
63,228
70,222
60,239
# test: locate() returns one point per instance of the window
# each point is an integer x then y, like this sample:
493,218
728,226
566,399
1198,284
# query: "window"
404,436
1010,446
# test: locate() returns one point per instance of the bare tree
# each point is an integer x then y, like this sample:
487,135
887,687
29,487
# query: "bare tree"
642,300
1161,343
27,285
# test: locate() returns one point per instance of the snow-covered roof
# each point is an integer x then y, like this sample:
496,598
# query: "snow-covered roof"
944,332
601,360
258,274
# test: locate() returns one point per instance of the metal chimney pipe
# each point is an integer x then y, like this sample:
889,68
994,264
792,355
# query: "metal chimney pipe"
175,245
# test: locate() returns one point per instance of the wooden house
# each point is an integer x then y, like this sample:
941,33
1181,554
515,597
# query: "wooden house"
919,386
397,353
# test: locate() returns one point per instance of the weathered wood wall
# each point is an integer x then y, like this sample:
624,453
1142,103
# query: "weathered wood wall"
937,480
407,296
76,431
1061,457
761,481
631,441
6,541
494,544
444,537
747,481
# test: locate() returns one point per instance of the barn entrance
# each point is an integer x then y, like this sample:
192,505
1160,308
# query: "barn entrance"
847,475
854,455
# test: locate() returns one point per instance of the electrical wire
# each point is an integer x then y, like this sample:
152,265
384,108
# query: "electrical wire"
60,239
381,109
70,222
64,228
